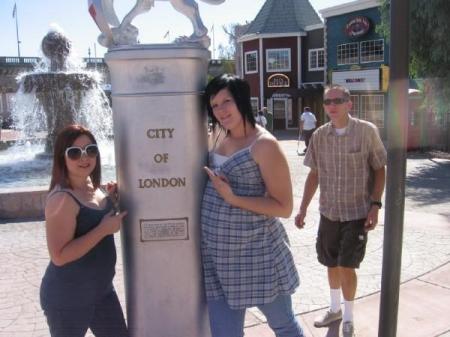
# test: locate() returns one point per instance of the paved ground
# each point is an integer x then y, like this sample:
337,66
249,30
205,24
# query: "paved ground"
425,290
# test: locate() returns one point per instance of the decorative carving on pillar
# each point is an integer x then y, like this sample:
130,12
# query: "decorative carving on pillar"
116,33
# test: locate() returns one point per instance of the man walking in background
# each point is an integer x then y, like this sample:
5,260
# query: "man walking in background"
260,118
347,161
307,125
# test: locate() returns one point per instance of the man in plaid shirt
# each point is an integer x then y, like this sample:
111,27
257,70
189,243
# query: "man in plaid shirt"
347,161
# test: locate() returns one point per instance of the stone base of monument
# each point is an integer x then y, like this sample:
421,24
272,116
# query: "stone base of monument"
160,135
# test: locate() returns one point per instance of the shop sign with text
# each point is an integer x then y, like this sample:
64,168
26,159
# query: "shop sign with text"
358,26
359,80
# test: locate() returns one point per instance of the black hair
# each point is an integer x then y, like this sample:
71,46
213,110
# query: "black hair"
238,88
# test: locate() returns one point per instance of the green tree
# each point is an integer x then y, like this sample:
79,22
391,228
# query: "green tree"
226,52
233,49
429,36
429,50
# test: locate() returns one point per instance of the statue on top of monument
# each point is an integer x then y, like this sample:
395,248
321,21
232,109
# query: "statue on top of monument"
116,33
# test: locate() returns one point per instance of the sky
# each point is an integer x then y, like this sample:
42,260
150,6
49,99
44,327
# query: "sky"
35,18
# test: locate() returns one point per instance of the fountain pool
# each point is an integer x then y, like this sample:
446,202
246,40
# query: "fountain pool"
58,92
20,167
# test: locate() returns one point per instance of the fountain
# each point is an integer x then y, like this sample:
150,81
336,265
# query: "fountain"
56,93
59,93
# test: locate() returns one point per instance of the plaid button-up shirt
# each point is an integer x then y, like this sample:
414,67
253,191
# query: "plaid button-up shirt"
345,165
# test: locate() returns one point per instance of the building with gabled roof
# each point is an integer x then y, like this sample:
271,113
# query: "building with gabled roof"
283,60
284,16
357,57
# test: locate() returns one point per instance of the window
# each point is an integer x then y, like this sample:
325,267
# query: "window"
414,116
279,108
278,60
355,105
10,97
347,53
316,59
372,51
8,104
255,106
372,109
251,62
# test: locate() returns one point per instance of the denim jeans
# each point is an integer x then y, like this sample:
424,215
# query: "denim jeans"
227,322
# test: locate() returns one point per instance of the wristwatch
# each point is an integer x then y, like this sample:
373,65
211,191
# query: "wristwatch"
376,203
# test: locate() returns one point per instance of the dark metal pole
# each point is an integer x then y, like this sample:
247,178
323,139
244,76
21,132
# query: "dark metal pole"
397,128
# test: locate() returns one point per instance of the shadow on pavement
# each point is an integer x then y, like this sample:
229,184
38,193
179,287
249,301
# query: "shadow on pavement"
429,184
333,329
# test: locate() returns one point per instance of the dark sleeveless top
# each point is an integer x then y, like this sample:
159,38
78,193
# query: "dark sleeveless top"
82,282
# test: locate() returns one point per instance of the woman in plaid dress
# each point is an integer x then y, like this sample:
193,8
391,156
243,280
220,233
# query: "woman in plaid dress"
246,258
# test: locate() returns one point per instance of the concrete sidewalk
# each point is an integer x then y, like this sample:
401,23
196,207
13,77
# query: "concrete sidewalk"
424,304
423,310
425,279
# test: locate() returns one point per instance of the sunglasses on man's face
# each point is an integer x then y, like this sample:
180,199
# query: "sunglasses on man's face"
75,152
335,101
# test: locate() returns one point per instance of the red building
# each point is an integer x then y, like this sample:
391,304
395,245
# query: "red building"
283,59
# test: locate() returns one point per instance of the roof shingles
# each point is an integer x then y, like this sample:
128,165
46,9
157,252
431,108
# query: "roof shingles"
284,16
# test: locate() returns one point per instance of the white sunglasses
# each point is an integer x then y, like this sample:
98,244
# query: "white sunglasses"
76,152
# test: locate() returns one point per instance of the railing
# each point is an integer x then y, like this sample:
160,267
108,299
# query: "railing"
11,60
91,60
14,60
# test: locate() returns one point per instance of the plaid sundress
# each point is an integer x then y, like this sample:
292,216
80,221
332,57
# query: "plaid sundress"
246,256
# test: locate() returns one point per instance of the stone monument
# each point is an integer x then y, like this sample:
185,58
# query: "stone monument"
161,145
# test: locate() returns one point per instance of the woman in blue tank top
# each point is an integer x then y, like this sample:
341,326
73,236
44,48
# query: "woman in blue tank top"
245,249
77,291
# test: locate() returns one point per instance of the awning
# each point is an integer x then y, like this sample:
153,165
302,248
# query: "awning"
311,89
311,86
286,93
305,89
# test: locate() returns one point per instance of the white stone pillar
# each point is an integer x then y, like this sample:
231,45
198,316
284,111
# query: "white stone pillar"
160,145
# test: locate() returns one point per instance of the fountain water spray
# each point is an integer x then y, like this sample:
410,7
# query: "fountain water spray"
58,93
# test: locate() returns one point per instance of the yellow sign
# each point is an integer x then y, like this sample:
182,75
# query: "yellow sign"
384,78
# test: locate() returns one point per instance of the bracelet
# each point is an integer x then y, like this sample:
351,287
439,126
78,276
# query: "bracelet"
376,203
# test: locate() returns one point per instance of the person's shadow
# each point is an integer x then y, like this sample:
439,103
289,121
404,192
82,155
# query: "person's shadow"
333,329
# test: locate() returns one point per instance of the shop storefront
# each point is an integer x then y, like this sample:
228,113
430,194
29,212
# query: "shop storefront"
368,88
282,55
357,57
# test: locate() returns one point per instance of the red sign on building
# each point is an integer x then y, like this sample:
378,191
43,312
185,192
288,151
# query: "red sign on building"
357,26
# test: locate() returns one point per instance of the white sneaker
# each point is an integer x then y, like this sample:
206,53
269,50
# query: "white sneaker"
348,330
327,318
